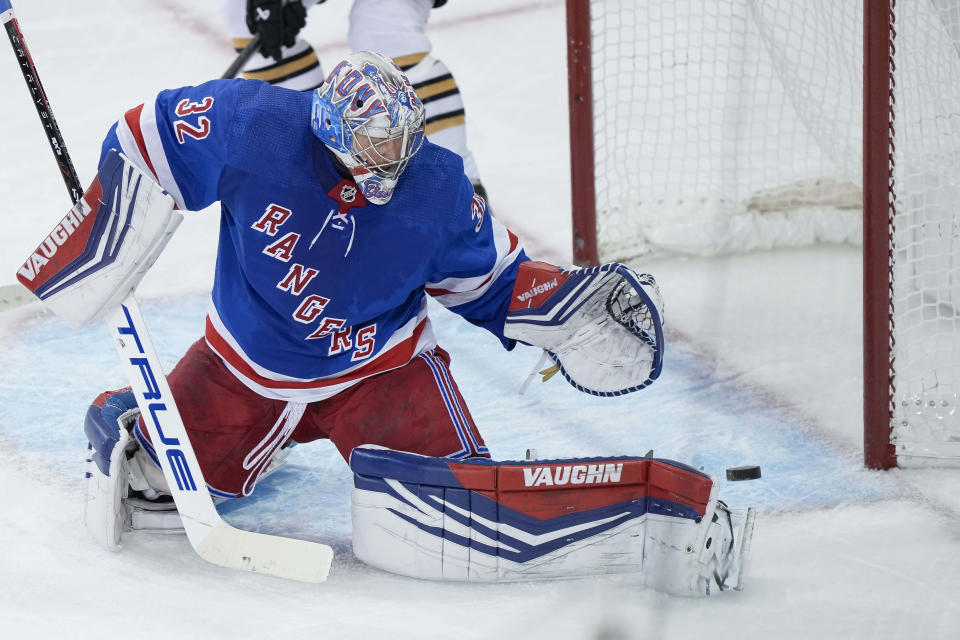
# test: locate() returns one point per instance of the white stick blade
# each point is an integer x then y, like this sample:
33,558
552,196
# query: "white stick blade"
14,295
260,553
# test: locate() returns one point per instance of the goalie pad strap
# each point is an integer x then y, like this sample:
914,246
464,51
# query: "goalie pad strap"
482,520
104,246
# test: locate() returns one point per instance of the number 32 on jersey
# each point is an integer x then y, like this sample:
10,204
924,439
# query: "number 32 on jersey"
198,130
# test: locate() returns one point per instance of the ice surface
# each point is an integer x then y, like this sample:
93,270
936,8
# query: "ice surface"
762,367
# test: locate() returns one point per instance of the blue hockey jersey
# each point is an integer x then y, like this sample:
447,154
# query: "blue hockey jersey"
316,289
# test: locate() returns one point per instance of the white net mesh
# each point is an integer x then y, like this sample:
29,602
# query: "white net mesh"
724,126
926,270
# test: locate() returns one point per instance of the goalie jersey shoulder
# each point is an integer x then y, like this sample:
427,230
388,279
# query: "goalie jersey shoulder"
187,137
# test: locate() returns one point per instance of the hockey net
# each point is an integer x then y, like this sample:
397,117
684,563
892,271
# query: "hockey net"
707,128
920,265
724,126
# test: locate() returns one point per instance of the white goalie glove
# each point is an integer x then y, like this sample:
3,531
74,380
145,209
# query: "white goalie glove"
602,326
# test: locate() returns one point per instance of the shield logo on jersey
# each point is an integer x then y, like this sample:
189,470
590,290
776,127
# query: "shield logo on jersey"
347,196
348,193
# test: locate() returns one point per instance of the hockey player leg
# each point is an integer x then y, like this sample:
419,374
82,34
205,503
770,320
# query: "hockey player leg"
446,117
298,69
294,64
397,29
126,489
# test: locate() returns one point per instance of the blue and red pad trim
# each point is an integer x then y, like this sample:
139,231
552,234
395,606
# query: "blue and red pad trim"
524,510
102,424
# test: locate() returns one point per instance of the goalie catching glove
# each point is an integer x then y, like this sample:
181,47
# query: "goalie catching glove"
602,326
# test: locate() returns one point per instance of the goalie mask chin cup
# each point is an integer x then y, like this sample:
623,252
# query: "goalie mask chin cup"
367,114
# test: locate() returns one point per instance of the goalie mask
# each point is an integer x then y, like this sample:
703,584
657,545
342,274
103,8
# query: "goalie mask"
368,115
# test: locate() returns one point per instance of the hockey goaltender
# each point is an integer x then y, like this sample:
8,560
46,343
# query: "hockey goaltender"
338,220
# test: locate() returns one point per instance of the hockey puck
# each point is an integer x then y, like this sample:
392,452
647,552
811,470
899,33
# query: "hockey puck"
748,472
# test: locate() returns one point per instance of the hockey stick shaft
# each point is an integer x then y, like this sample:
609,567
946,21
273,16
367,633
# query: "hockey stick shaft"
42,105
50,127
212,538
14,295
242,58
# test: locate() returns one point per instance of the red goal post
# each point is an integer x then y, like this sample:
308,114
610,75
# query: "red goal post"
580,88
878,209
734,125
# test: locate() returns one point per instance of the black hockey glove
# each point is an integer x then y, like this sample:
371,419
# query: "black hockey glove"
278,24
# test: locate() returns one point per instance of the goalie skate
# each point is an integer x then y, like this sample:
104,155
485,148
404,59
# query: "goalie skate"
119,496
126,490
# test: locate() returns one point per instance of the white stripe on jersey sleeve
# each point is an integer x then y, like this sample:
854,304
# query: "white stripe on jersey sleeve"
129,147
151,139
462,290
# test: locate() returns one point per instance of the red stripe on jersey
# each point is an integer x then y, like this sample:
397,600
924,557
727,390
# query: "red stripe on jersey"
399,355
132,118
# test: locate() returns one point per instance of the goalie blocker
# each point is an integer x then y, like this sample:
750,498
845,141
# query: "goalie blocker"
104,246
487,521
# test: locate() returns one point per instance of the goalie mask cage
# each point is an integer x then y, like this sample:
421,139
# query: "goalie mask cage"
709,127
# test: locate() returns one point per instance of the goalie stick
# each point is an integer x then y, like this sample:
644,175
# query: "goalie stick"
14,295
213,539
54,138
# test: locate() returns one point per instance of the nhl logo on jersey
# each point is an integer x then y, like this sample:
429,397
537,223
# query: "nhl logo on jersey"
348,193
347,196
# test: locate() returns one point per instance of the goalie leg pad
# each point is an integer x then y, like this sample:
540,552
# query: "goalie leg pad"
119,495
109,441
488,521
729,561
